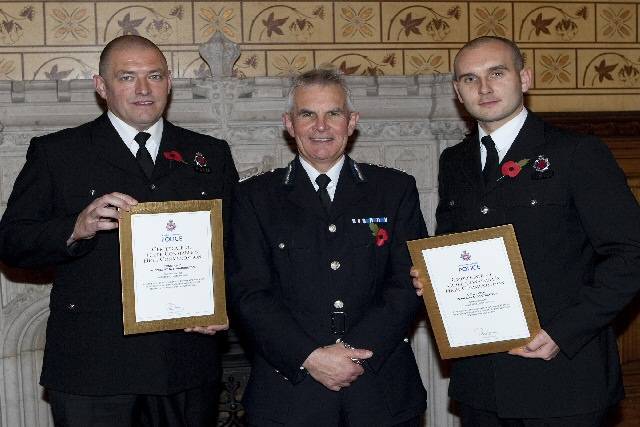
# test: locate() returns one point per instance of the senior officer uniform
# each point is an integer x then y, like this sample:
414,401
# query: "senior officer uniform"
86,352
300,278
578,227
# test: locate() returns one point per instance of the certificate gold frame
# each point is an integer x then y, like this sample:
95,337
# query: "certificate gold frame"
506,232
219,317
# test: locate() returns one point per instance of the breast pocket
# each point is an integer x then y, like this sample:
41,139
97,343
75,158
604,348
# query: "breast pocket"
293,257
541,206
361,235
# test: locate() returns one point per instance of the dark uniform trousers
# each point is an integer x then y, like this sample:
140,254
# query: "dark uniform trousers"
193,408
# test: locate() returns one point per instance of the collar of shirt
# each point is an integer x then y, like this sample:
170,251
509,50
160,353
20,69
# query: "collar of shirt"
333,173
503,137
127,133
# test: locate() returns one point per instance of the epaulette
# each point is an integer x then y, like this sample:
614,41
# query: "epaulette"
253,173
379,165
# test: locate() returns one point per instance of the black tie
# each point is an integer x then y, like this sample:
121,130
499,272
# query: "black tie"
143,156
323,181
490,171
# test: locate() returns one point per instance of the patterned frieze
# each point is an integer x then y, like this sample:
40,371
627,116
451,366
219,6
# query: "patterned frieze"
585,54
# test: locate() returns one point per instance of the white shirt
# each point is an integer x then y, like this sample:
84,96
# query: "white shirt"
333,173
127,133
503,137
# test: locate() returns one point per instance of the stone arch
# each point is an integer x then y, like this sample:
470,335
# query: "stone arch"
23,347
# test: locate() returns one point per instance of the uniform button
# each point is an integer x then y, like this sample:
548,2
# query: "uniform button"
406,340
204,193
152,187
335,265
332,228
338,304
533,202
484,210
71,307
452,202
281,245
92,192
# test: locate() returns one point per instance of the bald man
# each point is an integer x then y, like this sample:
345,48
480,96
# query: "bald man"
63,213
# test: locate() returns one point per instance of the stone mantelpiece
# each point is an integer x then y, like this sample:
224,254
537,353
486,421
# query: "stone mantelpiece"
406,122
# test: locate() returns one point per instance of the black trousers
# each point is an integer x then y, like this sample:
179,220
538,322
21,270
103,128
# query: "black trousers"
192,408
472,417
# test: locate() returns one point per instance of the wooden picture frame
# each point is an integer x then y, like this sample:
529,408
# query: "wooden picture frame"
455,242
214,262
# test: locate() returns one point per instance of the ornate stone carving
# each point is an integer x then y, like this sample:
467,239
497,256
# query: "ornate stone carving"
220,54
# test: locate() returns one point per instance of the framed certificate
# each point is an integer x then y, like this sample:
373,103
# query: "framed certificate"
172,266
476,291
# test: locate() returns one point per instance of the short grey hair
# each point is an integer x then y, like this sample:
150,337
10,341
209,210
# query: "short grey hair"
322,77
518,59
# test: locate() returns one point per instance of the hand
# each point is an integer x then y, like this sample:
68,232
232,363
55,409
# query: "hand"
333,367
208,330
542,346
415,276
101,214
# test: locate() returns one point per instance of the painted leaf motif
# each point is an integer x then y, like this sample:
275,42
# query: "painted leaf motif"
418,61
436,61
273,25
483,14
390,59
59,15
608,15
546,61
366,13
563,77
347,70
299,62
541,25
365,30
349,30
79,15
547,77
348,13
411,25
207,14
129,25
563,60
604,70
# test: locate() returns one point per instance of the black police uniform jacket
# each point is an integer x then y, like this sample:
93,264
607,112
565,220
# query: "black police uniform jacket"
86,351
292,264
578,228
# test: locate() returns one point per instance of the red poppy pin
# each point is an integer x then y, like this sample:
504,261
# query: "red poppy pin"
380,234
511,168
174,156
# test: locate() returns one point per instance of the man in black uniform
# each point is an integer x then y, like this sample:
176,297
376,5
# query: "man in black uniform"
318,276
62,212
578,227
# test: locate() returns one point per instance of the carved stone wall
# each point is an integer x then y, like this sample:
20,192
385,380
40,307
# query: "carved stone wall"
406,123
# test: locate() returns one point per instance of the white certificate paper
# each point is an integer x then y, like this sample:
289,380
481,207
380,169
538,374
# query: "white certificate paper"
172,261
476,292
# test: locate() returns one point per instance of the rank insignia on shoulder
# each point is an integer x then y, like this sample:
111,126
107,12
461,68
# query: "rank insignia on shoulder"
370,220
